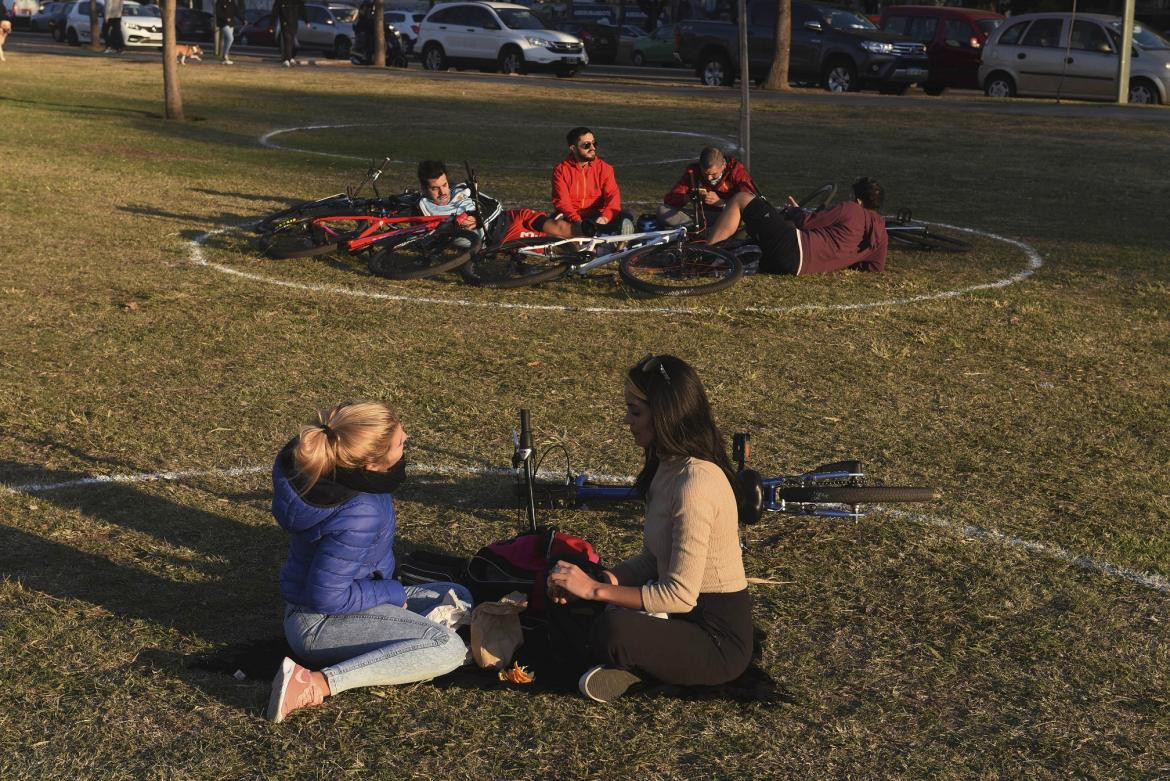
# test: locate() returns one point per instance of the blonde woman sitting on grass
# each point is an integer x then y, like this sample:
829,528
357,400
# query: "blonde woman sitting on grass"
345,615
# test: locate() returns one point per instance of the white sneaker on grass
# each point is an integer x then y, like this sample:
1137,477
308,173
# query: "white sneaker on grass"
606,684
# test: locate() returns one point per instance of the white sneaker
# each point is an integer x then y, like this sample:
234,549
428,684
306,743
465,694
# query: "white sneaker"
108,50
606,684
288,63
228,62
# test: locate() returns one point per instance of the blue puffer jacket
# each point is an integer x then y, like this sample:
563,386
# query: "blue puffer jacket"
342,553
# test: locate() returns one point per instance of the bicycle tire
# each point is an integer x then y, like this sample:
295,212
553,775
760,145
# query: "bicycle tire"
927,241
674,270
856,494
425,256
818,197
391,205
309,236
505,267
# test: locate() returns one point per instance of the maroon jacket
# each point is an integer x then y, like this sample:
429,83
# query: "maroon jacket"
735,179
843,236
585,190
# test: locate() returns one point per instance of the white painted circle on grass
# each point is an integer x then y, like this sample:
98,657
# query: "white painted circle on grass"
267,141
1034,262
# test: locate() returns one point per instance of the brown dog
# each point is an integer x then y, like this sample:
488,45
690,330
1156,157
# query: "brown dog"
5,28
185,50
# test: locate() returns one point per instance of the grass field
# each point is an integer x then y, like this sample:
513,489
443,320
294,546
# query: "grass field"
143,333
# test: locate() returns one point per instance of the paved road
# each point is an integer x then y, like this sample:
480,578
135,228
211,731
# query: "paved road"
677,81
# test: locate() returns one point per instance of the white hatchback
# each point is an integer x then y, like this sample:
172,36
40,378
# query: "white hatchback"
1059,55
504,35
141,24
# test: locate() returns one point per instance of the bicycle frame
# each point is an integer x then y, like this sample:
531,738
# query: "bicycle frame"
584,246
380,229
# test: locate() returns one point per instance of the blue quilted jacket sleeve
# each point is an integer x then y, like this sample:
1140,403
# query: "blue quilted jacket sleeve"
339,579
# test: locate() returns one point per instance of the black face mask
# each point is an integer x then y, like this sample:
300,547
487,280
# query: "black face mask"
370,482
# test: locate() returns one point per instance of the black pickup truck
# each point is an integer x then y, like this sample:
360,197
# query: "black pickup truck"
836,47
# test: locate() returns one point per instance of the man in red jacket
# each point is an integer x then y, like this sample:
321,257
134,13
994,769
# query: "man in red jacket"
713,179
584,188
851,234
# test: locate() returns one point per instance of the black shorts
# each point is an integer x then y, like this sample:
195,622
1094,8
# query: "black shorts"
776,236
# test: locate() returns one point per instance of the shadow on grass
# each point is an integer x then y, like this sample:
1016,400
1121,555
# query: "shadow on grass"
219,219
73,109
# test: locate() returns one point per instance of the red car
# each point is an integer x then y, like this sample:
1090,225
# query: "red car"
258,33
954,40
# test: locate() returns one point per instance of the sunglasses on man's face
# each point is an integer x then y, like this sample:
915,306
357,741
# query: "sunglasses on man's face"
588,144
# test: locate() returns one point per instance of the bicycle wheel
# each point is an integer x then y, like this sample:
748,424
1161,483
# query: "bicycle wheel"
309,236
926,241
857,494
425,256
818,197
680,270
387,206
516,264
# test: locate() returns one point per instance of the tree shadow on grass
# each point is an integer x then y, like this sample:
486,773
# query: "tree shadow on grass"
73,109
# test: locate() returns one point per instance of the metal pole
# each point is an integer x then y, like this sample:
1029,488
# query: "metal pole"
1126,50
745,107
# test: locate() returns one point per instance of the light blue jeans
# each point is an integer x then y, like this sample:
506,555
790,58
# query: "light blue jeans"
227,36
383,646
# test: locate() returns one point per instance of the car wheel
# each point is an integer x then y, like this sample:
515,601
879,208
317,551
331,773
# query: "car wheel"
933,89
58,35
1143,91
716,71
841,76
341,48
71,37
244,41
511,60
999,85
433,57
639,59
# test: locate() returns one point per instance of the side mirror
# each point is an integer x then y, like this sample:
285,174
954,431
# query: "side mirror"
816,27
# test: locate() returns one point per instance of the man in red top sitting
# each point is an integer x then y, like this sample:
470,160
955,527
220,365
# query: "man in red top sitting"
714,179
584,188
851,234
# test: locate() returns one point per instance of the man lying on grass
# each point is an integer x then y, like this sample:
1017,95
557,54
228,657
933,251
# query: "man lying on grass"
851,234
438,198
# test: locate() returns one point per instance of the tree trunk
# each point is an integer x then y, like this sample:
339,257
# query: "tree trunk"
778,74
95,27
171,94
380,33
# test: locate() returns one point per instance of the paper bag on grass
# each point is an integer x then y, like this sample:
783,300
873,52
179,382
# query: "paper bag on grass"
495,630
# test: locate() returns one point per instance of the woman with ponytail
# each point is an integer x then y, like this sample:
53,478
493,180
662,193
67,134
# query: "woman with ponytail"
345,615
679,610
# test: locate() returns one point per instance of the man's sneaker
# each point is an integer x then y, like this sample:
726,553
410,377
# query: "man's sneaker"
626,227
606,684
288,63
228,62
292,688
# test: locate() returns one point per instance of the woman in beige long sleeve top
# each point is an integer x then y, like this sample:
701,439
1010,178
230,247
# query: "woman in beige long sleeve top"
690,568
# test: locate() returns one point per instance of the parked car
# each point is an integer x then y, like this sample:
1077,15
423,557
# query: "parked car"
50,19
1055,55
407,23
329,29
953,37
600,40
506,36
21,12
193,25
836,47
657,48
259,32
141,24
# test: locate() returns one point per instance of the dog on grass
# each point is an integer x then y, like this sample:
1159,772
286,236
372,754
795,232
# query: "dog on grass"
5,28
185,50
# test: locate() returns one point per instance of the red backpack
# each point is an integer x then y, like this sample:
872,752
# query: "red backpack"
522,564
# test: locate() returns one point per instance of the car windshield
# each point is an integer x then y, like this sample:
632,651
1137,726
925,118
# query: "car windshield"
989,25
141,10
344,13
1144,39
846,20
516,19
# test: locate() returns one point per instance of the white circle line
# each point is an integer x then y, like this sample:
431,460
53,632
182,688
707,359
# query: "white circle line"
199,258
266,141
1148,580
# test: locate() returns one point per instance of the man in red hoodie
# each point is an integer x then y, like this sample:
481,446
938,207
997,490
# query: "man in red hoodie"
584,188
713,179
792,240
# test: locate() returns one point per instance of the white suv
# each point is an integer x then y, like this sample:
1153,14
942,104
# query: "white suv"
508,36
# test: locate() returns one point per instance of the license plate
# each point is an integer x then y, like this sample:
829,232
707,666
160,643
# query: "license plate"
916,73
572,60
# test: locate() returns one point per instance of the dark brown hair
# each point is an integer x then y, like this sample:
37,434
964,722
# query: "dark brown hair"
681,414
